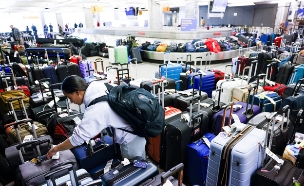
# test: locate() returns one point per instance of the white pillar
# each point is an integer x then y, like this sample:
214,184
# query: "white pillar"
155,13
283,12
59,20
88,16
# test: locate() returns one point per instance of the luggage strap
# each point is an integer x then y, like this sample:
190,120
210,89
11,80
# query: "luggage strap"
272,101
227,152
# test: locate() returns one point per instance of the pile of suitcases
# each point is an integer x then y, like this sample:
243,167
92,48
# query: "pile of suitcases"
242,128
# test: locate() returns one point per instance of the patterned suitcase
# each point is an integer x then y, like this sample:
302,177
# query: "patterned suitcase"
86,68
234,159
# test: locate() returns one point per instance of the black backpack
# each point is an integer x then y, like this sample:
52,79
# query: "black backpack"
136,106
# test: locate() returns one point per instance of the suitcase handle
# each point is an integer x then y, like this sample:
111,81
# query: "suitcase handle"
44,80
50,180
298,123
39,142
18,147
297,87
201,65
229,106
14,99
17,123
178,168
68,162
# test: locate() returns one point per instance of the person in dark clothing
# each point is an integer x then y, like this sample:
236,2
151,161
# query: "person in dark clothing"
51,27
27,29
60,29
35,31
16,35
45,29
75,25
80,25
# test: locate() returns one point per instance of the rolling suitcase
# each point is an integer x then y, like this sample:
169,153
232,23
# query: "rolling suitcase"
38,72
197,159
284,74
32,172
241,113
75,177
278,174
111,55
117,176
62,72
282,130
178,134
208,82
86,68
121,55
297,74
267,101
183,101
136,54
161,179
234,158
50,72
74,70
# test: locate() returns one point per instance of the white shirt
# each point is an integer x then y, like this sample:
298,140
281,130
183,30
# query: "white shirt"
98,117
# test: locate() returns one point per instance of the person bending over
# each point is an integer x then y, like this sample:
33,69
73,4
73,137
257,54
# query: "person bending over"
96,118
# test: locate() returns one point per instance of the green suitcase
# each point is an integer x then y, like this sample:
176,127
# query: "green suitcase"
121,55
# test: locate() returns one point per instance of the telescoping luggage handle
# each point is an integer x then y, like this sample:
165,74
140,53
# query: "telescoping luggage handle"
229,106
4,77
298,123
50,180
177,169
297,87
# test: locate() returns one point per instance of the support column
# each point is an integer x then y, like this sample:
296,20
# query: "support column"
88,16
155,13
42,19
59,20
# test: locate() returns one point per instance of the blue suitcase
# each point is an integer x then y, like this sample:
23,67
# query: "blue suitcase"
234,159
129,175
267,101
238,113
207,82
197,160
297,74
50,72
172,71
102,153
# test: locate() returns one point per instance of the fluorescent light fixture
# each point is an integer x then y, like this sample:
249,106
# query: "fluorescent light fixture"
241,4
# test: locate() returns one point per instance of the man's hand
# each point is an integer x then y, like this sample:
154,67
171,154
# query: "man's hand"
51,152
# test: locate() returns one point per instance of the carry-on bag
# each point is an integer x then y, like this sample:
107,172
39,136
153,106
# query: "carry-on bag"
86,68
297,74
62,72
32,172
270,85
74,69
284,74
235,156
163,177
197,159
130,174
50,72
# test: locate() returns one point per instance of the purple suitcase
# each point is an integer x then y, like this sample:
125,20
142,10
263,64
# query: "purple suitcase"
86,68
238,112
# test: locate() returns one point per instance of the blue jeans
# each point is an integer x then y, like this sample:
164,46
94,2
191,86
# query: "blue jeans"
135,148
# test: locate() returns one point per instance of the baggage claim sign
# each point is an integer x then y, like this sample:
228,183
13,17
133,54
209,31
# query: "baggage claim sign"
188,24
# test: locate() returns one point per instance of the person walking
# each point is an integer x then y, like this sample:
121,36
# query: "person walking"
16,35
45,29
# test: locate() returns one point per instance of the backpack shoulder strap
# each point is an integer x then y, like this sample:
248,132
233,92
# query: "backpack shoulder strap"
99,99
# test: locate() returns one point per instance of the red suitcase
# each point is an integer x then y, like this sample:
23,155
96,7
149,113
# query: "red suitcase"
75,59
277,41
278,88
25,89
243,61
218,75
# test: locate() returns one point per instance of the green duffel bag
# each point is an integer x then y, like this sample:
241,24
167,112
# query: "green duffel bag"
5,96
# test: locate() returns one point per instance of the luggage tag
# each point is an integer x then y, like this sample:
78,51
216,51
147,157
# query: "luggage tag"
140,164
274,157
30,125
108,166
207,142
45,85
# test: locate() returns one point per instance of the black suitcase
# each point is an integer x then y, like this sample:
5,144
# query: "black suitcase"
6,173
136,54
74,69
62,72
285,175
178,134
164,176
183,101
184,83
284,73
37,73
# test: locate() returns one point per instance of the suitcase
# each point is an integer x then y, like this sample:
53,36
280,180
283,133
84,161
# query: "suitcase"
50,72
117,176
95,153
74,70
86,68
289,91
282,132
218,75
197,159
277,41
121,55
178,134
207,82
182,102
62,72
171,71
162,178
297,74
233,159
38,72
286,175
284,74
154,145
241,113
81,176
6,96
33,174
136,54
75,59
267,101
6,173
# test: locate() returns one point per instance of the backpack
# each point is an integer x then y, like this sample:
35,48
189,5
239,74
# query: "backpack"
136,106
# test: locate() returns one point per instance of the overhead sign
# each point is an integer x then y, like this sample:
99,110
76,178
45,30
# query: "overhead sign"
166,9
188,24
95,9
